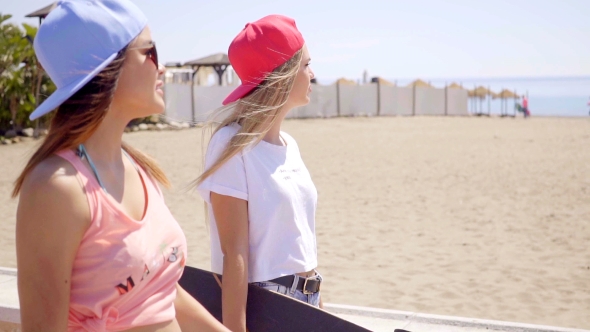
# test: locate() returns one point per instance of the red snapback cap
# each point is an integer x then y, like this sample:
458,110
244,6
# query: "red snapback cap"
260,48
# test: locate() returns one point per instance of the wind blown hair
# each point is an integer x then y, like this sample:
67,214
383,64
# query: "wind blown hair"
255,113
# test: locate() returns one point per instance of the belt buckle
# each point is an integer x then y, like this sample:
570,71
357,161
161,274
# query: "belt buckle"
305,291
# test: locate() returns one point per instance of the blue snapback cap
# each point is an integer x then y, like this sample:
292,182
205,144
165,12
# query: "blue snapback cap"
78,39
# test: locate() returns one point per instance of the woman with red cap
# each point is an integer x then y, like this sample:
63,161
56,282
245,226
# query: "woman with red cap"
260,198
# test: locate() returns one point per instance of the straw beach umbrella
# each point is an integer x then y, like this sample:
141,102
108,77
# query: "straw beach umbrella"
455,86
504,95
345,81
420,84
481,93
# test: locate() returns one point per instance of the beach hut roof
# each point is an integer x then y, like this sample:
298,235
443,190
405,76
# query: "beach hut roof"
455,86
345,81
219,62
506,94
41,13
420,84
218,59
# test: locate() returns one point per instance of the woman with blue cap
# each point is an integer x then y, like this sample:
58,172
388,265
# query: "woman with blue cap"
97,248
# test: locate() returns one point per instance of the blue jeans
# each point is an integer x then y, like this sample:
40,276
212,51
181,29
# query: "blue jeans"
313,299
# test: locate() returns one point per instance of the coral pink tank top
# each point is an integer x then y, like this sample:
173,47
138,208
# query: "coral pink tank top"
125,271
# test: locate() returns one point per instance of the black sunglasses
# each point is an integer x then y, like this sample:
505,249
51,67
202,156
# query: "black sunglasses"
152,52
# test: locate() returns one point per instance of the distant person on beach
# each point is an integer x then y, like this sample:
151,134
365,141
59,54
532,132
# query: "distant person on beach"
97,248
588,106
260,197
525,106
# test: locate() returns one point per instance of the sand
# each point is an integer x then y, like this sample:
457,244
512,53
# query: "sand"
472,217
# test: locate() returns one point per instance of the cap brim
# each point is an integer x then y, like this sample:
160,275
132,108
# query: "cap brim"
62,94
240,92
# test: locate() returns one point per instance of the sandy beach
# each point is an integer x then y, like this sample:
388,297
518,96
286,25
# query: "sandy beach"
463,216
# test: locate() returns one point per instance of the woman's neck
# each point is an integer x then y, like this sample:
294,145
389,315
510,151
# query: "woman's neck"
273,136
105,143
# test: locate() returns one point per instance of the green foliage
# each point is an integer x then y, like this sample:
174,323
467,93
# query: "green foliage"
23,84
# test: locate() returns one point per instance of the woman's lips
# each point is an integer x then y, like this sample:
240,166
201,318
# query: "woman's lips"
159,86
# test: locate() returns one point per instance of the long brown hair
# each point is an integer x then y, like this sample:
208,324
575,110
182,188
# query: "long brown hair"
79,117
256,113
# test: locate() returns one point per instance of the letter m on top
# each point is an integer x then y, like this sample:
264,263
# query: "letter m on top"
124,289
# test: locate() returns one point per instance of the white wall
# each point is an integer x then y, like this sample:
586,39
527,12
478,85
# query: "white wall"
355,100
457,102
405,100
358,100
388,100
322,103
396,100
430,101
208,99
178,101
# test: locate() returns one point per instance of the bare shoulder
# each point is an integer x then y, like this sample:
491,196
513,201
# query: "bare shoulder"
53,171
53,188
52,218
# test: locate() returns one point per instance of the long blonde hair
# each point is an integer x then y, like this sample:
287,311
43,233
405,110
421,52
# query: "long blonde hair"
256,113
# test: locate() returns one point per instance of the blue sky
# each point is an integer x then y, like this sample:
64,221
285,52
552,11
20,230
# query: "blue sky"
388,38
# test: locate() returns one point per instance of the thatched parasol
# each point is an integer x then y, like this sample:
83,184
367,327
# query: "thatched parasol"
506,94
455,86
419,84
344,81
480,92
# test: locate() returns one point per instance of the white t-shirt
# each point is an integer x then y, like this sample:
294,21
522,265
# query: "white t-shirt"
282,201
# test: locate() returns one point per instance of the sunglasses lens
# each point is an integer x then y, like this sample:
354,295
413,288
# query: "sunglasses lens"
155,56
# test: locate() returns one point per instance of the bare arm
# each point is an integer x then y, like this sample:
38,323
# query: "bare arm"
191,315
51,220
231,216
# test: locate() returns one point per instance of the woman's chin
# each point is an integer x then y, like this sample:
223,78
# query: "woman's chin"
159,108
160,105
